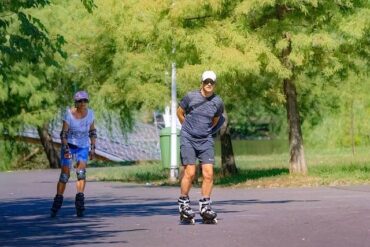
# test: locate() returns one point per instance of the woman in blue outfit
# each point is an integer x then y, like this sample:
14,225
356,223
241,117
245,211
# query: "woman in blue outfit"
78,137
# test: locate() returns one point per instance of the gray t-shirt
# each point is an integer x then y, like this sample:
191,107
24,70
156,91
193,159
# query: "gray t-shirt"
78,129
199,113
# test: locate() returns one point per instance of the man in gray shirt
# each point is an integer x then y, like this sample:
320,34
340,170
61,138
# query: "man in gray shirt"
199,112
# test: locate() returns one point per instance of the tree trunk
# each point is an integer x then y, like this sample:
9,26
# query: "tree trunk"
297,161
227,153
49,148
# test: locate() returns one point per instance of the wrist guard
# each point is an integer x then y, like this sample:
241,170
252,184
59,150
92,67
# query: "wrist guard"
67,153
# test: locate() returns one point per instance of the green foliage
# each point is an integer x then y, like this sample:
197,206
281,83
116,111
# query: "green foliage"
328,53
30,62
135,42
347,109
20,156
26,53
89,5
115,56
5,162
122,54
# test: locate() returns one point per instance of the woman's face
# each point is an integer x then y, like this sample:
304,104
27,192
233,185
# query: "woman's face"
82,103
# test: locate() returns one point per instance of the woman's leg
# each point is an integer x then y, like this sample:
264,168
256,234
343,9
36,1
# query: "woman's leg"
81,176
63,179
61,186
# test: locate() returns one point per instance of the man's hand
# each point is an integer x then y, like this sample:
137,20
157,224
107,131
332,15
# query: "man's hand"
180,114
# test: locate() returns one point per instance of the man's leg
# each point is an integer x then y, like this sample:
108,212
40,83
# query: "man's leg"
188,159
186,213
208,215
207,157
207,172
187,179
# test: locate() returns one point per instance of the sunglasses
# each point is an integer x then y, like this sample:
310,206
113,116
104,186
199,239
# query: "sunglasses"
206,82
82,101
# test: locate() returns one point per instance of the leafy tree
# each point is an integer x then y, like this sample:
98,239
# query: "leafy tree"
277,44
131,52
266,54
312,43
28,63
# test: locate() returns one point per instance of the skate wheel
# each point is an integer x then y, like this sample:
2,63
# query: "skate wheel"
210,222
187,221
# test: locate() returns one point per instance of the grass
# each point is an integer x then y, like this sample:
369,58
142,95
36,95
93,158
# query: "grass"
140,173
325,168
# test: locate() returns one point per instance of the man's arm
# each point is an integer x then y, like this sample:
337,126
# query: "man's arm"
181,114
218,115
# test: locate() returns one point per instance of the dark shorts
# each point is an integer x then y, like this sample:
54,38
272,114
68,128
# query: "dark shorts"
193,149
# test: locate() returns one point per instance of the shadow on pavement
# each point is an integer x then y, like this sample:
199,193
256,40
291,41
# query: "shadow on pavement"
26,222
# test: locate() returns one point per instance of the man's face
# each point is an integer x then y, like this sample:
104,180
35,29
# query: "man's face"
208,85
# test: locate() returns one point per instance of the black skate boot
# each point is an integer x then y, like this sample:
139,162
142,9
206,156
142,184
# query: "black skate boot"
208,215
186,213
57,204
80,204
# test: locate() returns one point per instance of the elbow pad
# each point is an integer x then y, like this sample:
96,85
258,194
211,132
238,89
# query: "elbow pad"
92,133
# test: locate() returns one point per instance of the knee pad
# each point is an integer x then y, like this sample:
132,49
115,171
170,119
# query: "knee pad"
81,174
63,178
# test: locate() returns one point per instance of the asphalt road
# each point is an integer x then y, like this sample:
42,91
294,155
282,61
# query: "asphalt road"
138,215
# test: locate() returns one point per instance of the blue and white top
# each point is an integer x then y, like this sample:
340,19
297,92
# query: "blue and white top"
78,129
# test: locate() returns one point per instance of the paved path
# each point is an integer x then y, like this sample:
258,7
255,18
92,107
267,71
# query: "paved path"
130,215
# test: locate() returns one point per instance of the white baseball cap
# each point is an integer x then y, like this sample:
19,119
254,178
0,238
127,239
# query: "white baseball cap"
208,75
